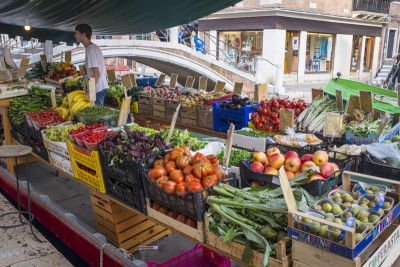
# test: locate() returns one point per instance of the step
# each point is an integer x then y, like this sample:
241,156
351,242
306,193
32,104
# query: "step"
382,75
385,71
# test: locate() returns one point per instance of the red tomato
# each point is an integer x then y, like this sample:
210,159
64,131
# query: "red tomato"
194,186
170,186
181,188
176,175
209,180
264,111
256,120
274,116
259,125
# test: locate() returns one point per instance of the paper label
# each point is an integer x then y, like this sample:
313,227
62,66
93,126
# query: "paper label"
238,88
286,119
53,98
68,56
160,80
22,68
219,86
92,89
111,75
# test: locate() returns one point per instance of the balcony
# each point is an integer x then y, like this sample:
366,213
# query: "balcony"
375,6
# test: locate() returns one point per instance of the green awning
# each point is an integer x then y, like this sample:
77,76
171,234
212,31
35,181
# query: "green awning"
56,20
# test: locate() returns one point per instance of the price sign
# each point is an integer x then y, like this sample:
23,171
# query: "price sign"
238,88
111,75
126,81
173,122
53,98
316,93
354,103
261,92
189,82
228,148
133,79
376,115
219,86
172,82
286,119
382,125
22,68
203,83
92,89
339,100
366,101
160,80
68,57
82,70
124,111
333,124
43,62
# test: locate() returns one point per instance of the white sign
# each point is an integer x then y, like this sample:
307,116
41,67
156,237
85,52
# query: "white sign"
295,43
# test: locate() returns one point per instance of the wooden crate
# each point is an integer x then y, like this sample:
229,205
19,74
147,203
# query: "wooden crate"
236,250
196,233
170,108
380,249
124,228
189,111
205,117
159,104
145,105
189,122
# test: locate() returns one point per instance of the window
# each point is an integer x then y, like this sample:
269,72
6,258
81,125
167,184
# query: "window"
355,60
319,52
292,52
390,43
368,53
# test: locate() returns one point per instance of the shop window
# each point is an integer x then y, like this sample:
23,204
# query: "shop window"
355,54
292,52
368,53
319,52
390,43
239,48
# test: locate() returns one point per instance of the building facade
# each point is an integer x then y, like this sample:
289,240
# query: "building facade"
303,41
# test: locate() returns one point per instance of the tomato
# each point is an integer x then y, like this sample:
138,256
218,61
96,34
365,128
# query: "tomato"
262,120
269,129
195,186
161,181
190,222
209,180
187,170
259,125
274,116
219,173
202,169
159,171
302,109
256,120
151,175
213,160
254,114
182,162
159,162
276,122
264,111
198,158
166,158
170,186
275,104
170,166
278,111
262,102
176,176
181,188
297,111
179,151
258,108
189,178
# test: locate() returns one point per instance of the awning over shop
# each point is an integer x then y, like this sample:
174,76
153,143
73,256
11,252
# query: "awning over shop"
56,20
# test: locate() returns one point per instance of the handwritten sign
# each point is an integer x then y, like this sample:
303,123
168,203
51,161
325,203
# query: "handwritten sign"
228,148
124,111
53,98
354,103
173,80
333,124
261,92
286,119
22,68
366,101
111,75
82,70
203,83
219,86
68,57
173,122
189,82
92,89
376,115
382,125
133,79
126,81
339,100
238,88
160,80
43,62
316,93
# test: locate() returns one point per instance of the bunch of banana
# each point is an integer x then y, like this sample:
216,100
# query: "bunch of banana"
72,103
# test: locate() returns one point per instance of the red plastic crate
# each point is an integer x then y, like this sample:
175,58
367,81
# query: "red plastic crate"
198,256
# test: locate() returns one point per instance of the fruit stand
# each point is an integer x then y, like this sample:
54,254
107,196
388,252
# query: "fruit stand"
230,200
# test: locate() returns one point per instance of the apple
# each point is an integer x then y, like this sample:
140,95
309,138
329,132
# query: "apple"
259,156
293,164
320,157
315,176
336,168
306,157
291,154
271,171
273,150
307,165
256,184
326,169
256,167
290,175
297,173
276,160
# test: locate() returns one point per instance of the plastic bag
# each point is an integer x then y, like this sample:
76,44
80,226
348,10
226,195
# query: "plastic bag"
382,151
211,148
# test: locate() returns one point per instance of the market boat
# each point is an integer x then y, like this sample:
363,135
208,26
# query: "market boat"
383,99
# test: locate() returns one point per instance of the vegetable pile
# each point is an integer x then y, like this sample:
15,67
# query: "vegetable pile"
146,131
236,156
127,146
180,172
177,95
251,134
253,217
60,133
82,129
92,114
237,102
36,71
62,70
43,118
175,215
366,128
92,138
184,138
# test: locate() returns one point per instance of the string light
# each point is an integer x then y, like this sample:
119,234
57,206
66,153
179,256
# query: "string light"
27,26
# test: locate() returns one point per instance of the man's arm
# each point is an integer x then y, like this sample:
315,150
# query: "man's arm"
96,73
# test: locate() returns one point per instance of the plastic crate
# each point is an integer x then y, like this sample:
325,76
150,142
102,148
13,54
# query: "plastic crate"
223,117
370,167
90,161
32,132
127,194
38,148
192,204
197,256
18,133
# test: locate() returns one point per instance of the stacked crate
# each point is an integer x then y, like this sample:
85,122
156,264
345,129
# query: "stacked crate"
159,108
205,117
145,105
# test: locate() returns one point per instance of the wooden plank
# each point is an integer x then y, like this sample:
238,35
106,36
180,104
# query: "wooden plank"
173,122
109,235
92,89
286,119
316,93
366,101
353,103
261,92
203,83
189,82
110,207
228,148
43,62
339,100
219,86
141,233
53,98
124,111
82,70
382,125
287,190
150,240
111,75
346,177
173,80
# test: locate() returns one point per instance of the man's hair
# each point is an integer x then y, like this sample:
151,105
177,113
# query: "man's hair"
85,29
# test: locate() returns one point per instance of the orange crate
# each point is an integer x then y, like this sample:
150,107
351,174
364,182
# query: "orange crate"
92,162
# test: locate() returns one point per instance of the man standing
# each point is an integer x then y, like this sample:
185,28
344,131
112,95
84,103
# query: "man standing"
94,61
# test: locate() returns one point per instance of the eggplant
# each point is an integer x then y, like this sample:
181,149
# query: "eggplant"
234,107
236,98
223,104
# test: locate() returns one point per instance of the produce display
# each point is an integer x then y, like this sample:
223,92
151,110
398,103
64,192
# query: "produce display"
58,71
180,172
92,138
72,103
75,84
147,131
236,102
266,117
178,95
84,128
60,133
41,119
36,71
184,138
92,114
252,134
312,119
297,140
366,128
254,217
346,150
236,156
175,215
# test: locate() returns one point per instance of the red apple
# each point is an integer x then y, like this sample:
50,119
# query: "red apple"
273,150
320,157
315,176
293,164
271,171
276,160
290,175
307,165
336,168
256,167
326,169
259,156
297,173
306,157
256,184
291,154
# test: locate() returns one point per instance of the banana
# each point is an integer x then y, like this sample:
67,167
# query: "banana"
65,102
73,94
79,98
77,106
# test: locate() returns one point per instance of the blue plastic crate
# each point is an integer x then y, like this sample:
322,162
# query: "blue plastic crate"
223,117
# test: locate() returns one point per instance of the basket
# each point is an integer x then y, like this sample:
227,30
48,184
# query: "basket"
18,132
127,194
197,256
32,132
192,204
370,167
38,148
224,117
